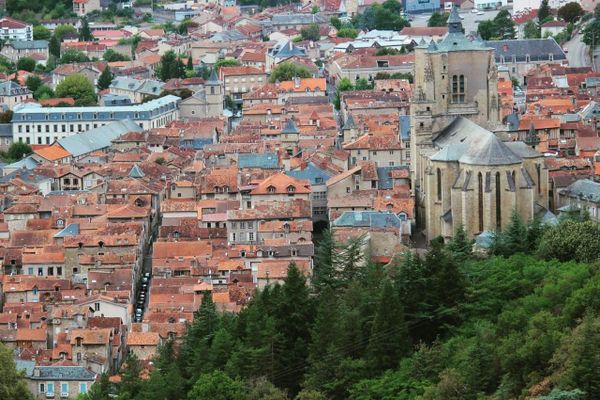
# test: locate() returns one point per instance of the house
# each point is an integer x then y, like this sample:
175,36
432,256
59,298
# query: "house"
206,102
553,28
90,70
136,89
317,178
144,344
240,80
12,30
583,195
365,64
64,380
11,94
17,49
84,7
280,187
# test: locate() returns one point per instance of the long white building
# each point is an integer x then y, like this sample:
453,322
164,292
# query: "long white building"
34,124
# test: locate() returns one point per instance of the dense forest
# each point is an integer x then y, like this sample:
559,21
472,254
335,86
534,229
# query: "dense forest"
520,323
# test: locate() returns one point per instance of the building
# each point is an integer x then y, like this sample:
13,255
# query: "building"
62,381
519,56
36,125
11,29
136,89
462,172
206,102
12,93
582,195
281,22
84,7
17,49
240,80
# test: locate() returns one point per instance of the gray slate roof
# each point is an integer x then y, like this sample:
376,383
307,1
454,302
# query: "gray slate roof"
70,230
29,44
290,127
370,219
254,160
98,138
536,49
63,373
585,188
298,19
314,174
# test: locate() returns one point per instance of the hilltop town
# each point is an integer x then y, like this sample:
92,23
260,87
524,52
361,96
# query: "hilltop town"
309,200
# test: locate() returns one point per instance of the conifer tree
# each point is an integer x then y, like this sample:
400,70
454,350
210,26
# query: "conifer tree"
324,270
190,64
54,46
130,377
105,78
460,246
85,33
389,340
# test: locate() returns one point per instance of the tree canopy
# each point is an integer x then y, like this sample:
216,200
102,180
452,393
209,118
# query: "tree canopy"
26,64
438,19
501,27
105,78
170,67
385,16
79,88
544,12
310,32
12,384
571,12
287,71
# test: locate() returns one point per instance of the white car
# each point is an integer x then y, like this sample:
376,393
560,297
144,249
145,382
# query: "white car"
474,11
480,13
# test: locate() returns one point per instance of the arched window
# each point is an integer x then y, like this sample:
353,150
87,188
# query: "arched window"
539,178
480,200
439,184
498,202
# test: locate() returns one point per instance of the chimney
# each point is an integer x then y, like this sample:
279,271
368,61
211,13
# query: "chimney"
297,81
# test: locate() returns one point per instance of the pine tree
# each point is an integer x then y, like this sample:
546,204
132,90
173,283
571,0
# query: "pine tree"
105,79
389,340
85,33
515,235
460,246
190,64
130,377
99,390
54,46
544,12
324,270
349,261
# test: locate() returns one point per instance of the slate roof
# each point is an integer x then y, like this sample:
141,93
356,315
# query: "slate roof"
27,163
136,172
69,230
146,86
63,373
585,188
405,127
290,127
537,49
98,138
298,19
10,88
370,219
254,160
311,173
28,44
384,176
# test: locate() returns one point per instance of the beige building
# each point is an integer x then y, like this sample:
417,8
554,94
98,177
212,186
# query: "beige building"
240,80
462,172
207,102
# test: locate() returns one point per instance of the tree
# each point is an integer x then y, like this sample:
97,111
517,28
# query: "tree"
6,117
112,56
363,84
531,30
40,32
85,33
389,340
287,71
131,383
190,64
62,30
504,25
544,12
311,32
324,271
79,88
487,29
17,151
54,46
571,240
26,64
438,19
262,389
226,62
336,22
43,92
33,83
460,246
170,67
571,12
105,78
347,33
591,33
73,56
100,390
217,386
12,384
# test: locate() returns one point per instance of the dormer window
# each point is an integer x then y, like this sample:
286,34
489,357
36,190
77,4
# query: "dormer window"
243,253
101,244
291,189
60,222
271,189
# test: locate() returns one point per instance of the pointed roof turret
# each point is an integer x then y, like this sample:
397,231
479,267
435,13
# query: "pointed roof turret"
213,80
454,21
349,123
432,45
290,127
136,172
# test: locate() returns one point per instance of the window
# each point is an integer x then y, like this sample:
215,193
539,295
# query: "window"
30,271
97,306
439,184
498,201
480,200
251,236
59,271
458,89
42,388
64,389
83,387
49,389
319,179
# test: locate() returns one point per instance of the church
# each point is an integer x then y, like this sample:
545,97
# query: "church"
462,172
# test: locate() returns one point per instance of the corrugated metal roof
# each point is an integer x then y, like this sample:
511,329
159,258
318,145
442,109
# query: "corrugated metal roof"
99,138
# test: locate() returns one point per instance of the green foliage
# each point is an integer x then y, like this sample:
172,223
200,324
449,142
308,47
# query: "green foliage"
229,104
346,84
33,83
314,10
217,386
6,117
460,246
54,46
111,56
571,240
73,56
100,390
41,33
287,71
501,27
544,12
311,32
170,67
43,92
105,78
79,88
15,152
438,19
336,22
12,384
591,32
531,30
571,12
85,33
226,62
384,16
347,33
26,64
32,12
398,75
389,51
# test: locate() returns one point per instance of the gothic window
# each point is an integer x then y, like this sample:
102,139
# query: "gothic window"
458,88
439,185
498,202
480,200
539,179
